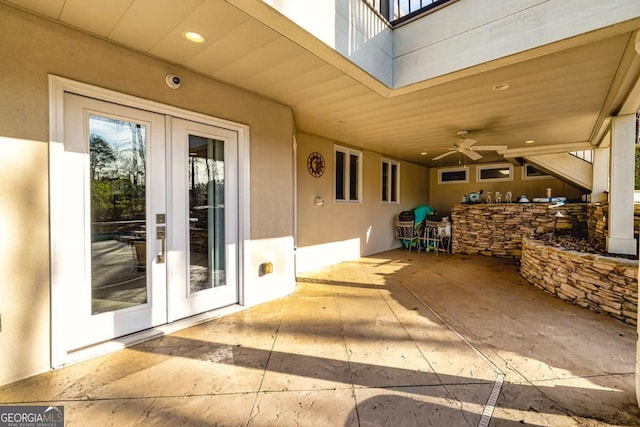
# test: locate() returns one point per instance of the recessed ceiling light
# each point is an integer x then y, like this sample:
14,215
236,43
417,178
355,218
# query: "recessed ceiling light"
529,141
424,153
500,87
192,36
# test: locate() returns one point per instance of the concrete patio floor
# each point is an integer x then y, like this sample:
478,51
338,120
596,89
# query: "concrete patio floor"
393,339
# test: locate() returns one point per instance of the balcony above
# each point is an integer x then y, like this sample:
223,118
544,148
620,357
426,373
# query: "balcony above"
397,12
349,76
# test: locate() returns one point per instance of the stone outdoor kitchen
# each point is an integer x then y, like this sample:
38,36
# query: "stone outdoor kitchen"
563,255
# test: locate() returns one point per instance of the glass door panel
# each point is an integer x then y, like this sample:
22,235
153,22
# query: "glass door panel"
203,247
206,213
117,170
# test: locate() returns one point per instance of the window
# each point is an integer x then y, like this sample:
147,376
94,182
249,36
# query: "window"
532,172
586,155
494,173
390,181
348,178
453,175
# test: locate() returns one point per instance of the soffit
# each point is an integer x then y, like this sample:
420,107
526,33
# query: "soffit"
554,99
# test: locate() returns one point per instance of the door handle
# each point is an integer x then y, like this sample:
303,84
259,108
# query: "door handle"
161,235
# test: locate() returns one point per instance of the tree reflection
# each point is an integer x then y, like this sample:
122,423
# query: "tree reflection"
117,169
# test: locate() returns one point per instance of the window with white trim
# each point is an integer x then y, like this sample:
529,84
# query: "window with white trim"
348,175
453,175
390,181
532,172
494,173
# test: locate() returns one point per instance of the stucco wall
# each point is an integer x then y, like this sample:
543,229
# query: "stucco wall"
337,231
444,196
31,49
24,258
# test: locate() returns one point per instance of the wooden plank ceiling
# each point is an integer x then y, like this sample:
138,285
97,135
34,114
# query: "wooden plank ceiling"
554,99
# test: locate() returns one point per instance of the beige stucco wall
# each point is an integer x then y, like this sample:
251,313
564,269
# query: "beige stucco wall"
337,232
24,257
31,49
443,196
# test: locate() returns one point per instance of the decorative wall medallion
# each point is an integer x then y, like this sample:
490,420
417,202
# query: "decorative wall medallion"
315,164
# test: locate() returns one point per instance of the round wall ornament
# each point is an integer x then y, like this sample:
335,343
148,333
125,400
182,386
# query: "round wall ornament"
315,164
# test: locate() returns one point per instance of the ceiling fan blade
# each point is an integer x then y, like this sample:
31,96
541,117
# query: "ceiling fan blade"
471,154
489,148
466,142
443,155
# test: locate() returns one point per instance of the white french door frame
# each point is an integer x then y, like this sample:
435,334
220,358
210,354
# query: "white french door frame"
183,302
58,86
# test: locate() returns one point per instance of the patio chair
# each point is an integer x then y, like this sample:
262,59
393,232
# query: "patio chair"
405,231
435,235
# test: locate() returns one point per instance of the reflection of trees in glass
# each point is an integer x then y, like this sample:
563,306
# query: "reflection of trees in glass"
117,168
202,173
133,161
206,212
102,155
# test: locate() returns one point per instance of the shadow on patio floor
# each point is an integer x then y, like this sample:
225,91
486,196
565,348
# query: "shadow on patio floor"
390,339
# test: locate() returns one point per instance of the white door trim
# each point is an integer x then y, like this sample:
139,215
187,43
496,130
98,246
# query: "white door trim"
183,302
57,87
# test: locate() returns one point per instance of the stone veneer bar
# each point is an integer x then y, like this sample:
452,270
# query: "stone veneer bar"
603,284
607,285
498,229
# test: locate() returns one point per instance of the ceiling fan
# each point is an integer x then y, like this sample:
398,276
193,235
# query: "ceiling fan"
466,146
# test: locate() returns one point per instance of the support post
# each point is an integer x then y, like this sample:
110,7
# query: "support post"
622,171
600,182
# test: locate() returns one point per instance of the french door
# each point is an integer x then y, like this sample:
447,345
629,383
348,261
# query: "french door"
203,219
144,221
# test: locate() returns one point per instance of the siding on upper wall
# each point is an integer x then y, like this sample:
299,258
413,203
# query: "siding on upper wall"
459,37
468,33
350,27
336,232
32,48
